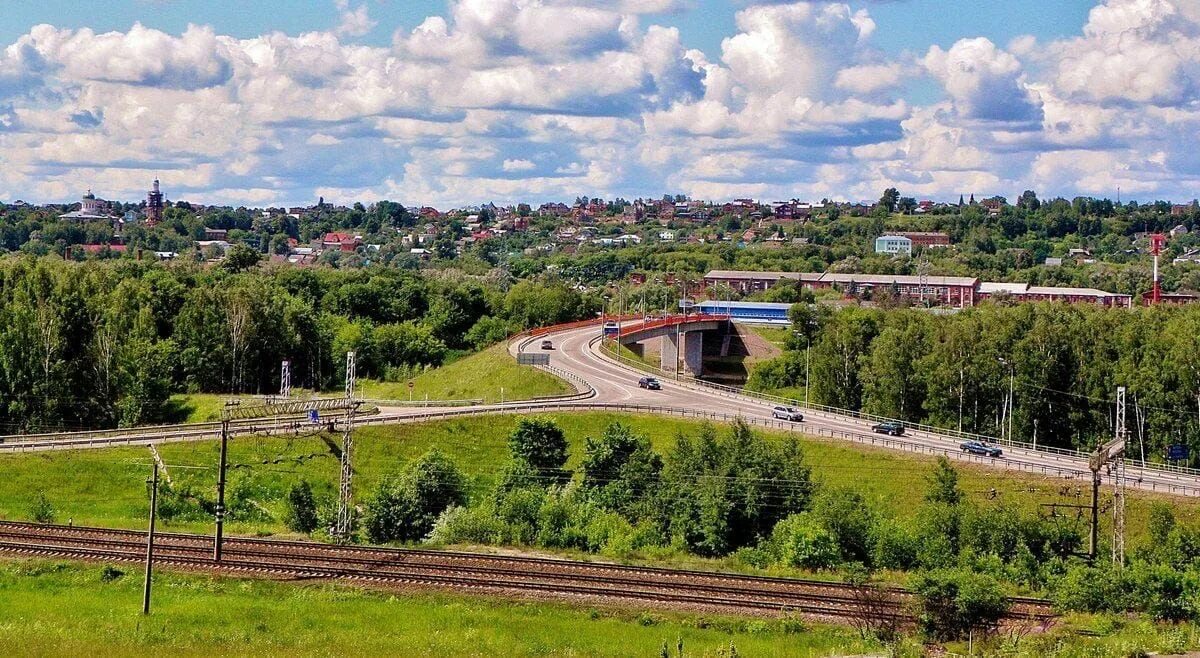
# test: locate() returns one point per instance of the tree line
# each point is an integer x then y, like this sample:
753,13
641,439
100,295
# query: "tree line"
105,343
1062,362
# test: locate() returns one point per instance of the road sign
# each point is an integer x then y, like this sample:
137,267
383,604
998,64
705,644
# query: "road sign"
533,359
314,416
1177,452
411,383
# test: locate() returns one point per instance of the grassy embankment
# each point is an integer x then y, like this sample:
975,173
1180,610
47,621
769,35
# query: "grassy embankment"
53,609
776,336
479,376
107,487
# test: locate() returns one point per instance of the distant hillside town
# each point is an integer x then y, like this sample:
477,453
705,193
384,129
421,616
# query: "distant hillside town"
1082,249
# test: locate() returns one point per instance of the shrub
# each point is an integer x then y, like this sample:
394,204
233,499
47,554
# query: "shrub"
405,507
540,443
301,508
953,602
801,541
893,546
1085,588
467,525
846,515
41,510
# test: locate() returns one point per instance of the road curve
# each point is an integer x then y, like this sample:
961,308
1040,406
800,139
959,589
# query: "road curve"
577,351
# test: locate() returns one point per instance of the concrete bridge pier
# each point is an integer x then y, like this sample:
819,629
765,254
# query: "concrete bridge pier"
692,363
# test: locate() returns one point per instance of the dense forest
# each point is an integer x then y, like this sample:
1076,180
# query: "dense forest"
104,343
1064,362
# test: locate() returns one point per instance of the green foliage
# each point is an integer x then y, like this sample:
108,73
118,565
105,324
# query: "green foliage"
621,472
240,258
41,510
953,603
802,541
405,507
943,484
301,508
721,494
850,520
540,443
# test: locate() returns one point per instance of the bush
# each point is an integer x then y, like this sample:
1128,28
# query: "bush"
467,525
301,513
846,515
405,507
894,546
1085,588
953,603
541,444
41,510
801,541
621,471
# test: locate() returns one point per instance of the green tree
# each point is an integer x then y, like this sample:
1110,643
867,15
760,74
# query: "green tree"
240,258
953,603
890,198
943,484
621,471
301,508
404,507
540,443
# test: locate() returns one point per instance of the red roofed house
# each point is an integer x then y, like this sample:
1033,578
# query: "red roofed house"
343,241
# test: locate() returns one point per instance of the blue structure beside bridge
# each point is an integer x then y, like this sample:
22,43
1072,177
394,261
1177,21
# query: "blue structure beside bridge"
758,312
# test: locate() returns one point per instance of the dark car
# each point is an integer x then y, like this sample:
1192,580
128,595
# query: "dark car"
649,383
547,345
981,448
893,429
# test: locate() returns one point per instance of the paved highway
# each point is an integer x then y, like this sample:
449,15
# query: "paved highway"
605,384
577,351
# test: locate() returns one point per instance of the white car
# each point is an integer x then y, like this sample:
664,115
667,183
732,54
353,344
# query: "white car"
787,413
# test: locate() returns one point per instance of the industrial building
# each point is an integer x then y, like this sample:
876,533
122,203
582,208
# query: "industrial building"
952,291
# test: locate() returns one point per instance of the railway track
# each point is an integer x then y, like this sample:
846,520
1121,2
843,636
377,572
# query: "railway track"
500,574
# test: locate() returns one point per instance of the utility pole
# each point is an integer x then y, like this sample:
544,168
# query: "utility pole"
220,512
285,380
1118,546
1112,452
153,482
345,517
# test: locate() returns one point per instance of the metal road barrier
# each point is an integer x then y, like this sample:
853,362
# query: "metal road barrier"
1134,468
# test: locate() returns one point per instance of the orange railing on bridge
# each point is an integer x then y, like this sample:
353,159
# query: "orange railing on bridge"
671,321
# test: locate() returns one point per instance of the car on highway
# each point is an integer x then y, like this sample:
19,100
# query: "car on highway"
547,344
890,428
787,413
649,383
981,448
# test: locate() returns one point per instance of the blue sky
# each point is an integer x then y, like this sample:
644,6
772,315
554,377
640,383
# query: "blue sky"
453,102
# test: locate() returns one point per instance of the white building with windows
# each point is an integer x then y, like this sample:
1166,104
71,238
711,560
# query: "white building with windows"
893,244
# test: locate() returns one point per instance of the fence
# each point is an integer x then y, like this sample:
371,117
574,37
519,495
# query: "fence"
1135,471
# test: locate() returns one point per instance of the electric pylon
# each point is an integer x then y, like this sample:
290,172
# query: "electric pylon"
345,518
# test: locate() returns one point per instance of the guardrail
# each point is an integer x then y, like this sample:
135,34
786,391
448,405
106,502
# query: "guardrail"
291,426
1068,472
1133,468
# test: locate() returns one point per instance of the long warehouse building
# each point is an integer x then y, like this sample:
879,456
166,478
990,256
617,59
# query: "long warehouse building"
952,291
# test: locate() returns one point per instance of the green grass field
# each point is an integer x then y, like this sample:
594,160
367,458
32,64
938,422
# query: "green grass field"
71,609
59,609
480,376
107,487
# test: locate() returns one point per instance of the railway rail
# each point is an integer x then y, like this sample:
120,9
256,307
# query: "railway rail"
478,572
